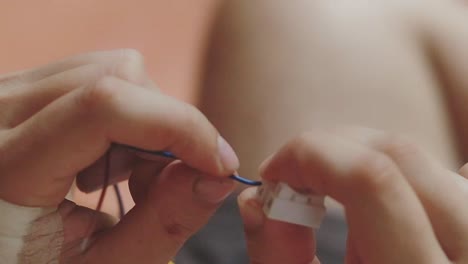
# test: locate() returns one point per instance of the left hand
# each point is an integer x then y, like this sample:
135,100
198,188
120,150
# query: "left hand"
401,206
59,119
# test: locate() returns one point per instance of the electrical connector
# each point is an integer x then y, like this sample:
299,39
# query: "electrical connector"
282,203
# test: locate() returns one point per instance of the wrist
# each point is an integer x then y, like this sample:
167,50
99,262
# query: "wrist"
25,230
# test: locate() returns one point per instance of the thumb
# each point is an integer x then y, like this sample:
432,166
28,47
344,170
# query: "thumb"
273,242
179,202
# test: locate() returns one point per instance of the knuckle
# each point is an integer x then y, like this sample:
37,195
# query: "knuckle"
373,171
130,66
13,79
307,142
304,137
95,96
398,147
303,140
132,55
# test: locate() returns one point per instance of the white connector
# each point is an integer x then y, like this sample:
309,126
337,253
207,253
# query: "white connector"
282,203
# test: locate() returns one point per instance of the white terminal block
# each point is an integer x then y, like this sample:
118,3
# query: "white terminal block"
282,203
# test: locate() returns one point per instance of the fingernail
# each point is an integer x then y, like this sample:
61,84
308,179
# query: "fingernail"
213,190
229,159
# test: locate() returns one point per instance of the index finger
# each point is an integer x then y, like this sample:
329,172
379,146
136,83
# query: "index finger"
76,129
65,64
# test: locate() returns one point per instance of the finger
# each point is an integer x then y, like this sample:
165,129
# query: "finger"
442,192
26,100
351,256
143,175
100,57
121,164
381,207
270,241
180,202
80,126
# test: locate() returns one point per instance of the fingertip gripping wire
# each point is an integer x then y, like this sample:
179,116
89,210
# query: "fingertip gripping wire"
168,154
245,181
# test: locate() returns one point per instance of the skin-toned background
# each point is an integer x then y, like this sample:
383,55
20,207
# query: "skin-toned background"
170,34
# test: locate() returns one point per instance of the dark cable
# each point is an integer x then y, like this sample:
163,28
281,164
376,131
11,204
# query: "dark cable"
119,201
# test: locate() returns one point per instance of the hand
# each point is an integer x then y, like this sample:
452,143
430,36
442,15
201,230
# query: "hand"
401,206
58,120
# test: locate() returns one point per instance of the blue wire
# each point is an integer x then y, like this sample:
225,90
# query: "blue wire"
245,181
168,154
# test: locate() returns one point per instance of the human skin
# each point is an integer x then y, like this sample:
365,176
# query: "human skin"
401,205
421,134
58,120
171,47
277,68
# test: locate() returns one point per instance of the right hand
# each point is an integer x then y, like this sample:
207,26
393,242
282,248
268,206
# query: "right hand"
401,205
